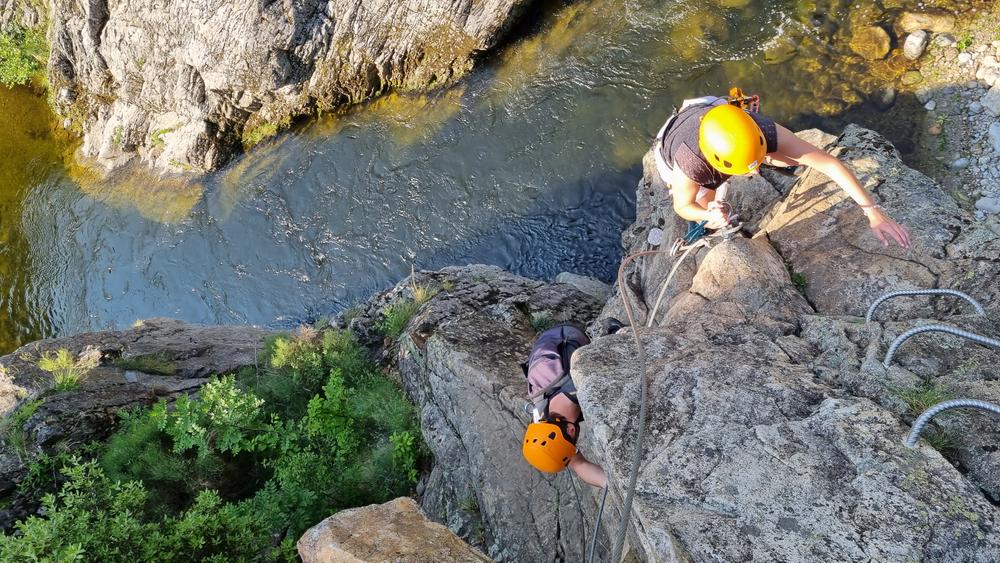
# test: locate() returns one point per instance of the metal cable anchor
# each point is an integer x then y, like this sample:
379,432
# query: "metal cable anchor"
913,292
984,340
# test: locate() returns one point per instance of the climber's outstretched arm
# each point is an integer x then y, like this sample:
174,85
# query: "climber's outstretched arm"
794,151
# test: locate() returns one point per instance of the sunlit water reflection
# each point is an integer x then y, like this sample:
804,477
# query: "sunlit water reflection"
530,163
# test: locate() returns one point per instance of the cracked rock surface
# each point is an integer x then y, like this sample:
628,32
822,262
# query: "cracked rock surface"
775,432
180,83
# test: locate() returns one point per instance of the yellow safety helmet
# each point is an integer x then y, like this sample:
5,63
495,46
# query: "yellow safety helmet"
731,140
547,446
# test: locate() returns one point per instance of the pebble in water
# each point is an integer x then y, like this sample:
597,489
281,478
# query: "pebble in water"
915,44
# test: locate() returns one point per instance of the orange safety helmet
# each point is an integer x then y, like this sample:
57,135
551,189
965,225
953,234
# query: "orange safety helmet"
731,140
547,445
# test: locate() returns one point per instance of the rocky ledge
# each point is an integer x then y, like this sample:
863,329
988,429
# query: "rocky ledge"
182,86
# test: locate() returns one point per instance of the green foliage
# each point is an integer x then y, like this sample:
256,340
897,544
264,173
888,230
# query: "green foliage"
118,137
22,55
800,282
96,519
395,317
221,420
922,397
218,476
12,428
939,439
156,364
448,286
965,42
541,321
156,138
254,136
67,371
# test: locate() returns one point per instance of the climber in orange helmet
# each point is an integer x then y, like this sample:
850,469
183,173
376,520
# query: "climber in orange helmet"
550,441
712,138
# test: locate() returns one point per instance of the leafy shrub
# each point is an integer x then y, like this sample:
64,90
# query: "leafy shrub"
96,519
220,420
22,55
397,316
67,371
218,476
12,428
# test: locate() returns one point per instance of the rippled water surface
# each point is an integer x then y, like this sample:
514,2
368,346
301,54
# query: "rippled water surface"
529,163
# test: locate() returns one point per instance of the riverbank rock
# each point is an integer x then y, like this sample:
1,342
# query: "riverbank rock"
459,361
871,42
773,422
184,86
160,358
935,21
396,531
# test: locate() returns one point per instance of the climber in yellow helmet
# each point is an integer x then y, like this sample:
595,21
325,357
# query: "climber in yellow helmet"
711,139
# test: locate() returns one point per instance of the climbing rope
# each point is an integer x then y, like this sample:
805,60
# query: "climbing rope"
985,341
597,526
925,418
637,455
912,292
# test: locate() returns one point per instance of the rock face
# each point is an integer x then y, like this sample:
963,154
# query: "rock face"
179,357
396,531
459,361
181,84
775,433
824,237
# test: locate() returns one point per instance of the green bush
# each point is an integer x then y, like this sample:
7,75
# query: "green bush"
22,55
218,476
397,316
93,518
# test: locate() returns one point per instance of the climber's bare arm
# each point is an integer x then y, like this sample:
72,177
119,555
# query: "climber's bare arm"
685,193
794,151
587,471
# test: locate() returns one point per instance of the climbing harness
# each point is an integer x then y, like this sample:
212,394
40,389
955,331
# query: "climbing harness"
984,340
724,234
911,292
925,418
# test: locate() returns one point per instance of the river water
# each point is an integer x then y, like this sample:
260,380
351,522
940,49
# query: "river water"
529,163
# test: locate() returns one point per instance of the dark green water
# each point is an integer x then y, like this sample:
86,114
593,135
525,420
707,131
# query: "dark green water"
529,163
